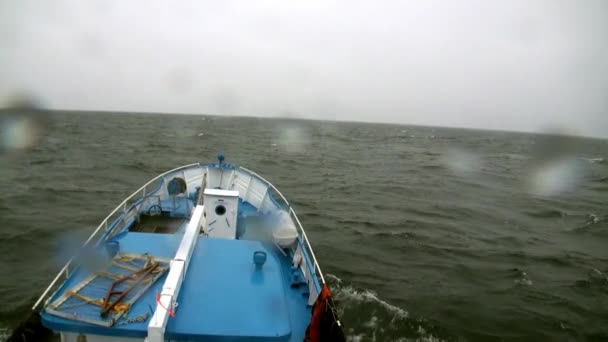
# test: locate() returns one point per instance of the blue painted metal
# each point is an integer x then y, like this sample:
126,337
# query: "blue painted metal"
230,300
112,247
176,186
259,258
224,296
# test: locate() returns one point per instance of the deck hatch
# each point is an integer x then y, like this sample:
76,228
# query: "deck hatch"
106,295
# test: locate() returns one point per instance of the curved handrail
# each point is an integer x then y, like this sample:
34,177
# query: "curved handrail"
292,212
104,223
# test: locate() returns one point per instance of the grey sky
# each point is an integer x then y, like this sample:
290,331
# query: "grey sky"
517,65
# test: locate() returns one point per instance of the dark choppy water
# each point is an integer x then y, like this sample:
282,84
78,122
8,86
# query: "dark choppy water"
425,234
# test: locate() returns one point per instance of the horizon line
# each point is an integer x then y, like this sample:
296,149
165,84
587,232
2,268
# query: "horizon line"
550,133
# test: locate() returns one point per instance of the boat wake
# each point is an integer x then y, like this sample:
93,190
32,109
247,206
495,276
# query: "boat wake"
367,317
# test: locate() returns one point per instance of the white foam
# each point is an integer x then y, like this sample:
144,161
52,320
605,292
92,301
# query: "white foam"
524,280
594,160
355,338
429,338
597,274
367,296
375,328
5,333
333,278
593,219
372,323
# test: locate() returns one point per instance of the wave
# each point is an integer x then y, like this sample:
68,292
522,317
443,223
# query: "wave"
72,189
42,162
367,296
595,160
522,278
367,317
593,219
547,213
510,156
593,224
405,235
137,165
598,276
595,280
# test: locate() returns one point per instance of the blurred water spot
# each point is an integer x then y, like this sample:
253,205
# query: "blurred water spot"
293,139
70,245
556,177
17,133
23,125
555,168
461,162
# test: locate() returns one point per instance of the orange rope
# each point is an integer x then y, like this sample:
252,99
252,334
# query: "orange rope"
171,313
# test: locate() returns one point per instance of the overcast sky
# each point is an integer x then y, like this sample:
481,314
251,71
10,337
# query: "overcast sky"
515,65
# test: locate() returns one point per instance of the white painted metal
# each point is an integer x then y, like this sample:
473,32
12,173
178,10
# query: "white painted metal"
300,261
312,254
241,183
214,177
285,232
193,178
226,178
256,192
268,204
177,274
221,209
267,182
316,268
220,192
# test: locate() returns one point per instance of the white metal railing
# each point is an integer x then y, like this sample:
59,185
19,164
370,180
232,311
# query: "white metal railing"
316,268
103,226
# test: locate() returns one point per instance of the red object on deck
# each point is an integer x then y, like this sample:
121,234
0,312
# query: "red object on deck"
324,324
171,312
